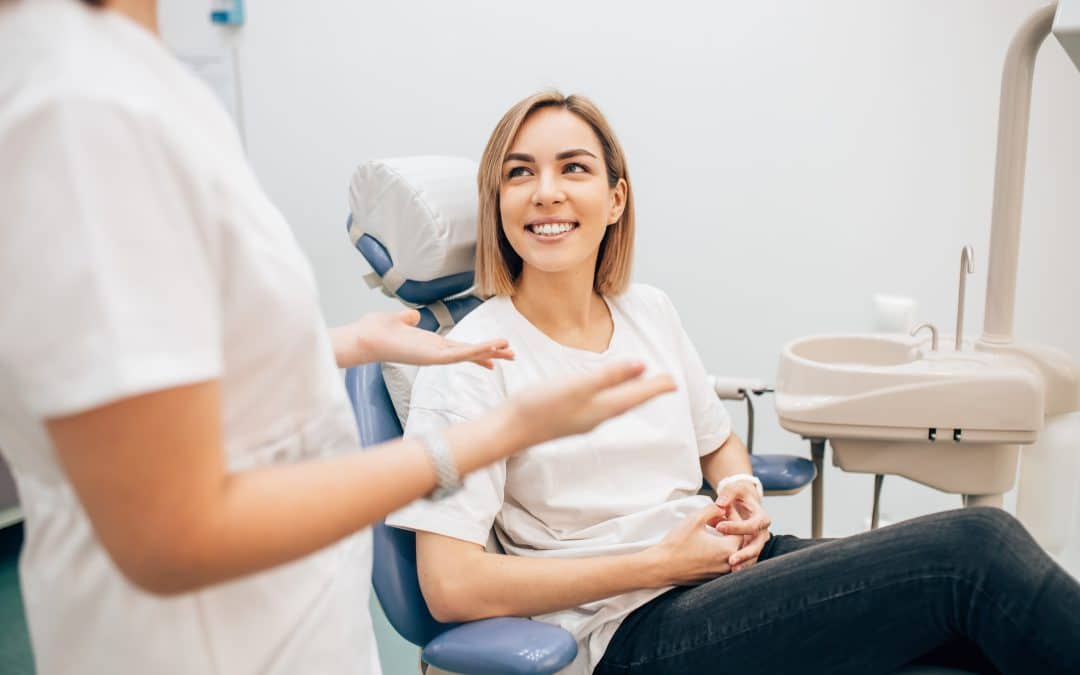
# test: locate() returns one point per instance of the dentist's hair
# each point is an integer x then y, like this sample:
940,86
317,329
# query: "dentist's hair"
497,264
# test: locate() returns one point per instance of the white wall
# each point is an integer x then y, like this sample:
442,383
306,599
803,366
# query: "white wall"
789,159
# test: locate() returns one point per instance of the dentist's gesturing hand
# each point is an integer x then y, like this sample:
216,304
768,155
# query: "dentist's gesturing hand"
744,515
578,405
394,337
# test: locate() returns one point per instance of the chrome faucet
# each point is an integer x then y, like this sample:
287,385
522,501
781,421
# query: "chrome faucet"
967,266
933,334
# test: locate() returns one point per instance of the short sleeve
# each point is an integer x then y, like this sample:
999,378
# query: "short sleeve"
110,287
712,424
444,395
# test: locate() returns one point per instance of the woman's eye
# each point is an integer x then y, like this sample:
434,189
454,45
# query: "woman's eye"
517,171
575,167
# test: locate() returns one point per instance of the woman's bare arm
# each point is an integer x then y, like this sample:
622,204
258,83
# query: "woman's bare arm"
462,582
729,459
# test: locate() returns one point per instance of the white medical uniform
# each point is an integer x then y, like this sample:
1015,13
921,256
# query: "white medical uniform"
618,489
138,252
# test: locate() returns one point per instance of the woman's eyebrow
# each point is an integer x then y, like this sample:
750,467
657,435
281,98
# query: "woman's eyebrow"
566,154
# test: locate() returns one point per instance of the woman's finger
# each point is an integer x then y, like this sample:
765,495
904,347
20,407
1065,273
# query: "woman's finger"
748,554
708,516
752,525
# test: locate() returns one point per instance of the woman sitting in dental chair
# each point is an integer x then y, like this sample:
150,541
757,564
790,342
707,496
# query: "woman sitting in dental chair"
606,533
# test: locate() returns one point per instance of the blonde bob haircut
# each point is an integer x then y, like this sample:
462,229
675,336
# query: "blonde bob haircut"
498,266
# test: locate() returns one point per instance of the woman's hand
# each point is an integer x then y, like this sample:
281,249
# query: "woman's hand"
744,515
694,552
394,337
579,404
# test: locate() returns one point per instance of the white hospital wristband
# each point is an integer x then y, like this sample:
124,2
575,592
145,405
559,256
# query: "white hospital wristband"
724,482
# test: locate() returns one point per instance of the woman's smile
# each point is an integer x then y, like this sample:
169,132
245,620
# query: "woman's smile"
551,230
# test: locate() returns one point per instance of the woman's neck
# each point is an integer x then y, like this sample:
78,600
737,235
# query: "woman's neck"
565,307
142,12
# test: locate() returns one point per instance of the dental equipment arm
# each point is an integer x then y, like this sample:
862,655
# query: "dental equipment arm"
151,473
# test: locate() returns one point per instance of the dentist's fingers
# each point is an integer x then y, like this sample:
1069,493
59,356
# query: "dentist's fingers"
409,317
631,394
482,354
609,376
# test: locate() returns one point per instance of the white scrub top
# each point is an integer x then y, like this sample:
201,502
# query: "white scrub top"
138,252
618,489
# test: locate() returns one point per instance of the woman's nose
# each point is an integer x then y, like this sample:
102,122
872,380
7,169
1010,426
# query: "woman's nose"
548,191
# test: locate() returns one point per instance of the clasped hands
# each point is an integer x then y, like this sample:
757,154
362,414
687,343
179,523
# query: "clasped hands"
727,536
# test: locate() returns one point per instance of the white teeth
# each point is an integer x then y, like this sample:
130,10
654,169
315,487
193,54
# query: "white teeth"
552,228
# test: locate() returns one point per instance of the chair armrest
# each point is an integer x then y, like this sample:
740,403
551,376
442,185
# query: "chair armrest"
502,646
732,388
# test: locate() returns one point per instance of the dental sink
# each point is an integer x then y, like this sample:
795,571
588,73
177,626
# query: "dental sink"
855,350
891,386
890,404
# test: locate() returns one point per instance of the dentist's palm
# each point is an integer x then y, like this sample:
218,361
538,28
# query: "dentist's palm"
578,405
394,337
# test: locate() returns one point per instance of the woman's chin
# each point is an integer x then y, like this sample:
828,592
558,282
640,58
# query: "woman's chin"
553,264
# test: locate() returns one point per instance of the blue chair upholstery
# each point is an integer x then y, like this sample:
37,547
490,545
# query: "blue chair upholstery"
414,292
501,646
783,474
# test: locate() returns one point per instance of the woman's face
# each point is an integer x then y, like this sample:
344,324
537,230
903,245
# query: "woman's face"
554,199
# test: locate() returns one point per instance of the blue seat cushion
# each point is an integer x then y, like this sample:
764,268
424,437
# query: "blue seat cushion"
502,646
782,473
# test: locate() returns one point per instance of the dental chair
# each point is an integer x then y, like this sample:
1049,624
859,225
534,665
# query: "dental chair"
423,209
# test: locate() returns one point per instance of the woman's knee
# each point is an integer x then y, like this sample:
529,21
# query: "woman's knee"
980,531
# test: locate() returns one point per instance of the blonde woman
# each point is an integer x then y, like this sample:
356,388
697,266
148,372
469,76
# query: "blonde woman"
195,496
605,532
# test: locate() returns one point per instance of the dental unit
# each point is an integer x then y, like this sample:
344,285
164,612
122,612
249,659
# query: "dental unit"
956,419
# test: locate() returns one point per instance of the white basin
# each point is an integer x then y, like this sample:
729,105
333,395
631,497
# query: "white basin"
889,404
893,387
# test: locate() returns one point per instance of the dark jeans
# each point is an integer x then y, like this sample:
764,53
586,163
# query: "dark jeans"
967,588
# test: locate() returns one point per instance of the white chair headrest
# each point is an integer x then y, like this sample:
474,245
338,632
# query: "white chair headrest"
414,220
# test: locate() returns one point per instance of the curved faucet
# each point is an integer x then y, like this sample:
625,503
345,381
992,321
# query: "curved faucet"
967,266
933,334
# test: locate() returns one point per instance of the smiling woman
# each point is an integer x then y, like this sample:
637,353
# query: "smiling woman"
605,534
595,155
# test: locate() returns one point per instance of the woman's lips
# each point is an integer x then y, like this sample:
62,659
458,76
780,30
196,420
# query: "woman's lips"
551,231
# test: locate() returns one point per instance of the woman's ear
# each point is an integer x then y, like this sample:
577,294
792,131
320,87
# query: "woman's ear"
618,201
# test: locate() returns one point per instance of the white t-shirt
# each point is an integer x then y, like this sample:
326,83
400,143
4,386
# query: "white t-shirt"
618,489
137,253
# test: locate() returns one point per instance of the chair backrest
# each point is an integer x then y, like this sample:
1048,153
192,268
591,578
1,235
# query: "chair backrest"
414,221
394,572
